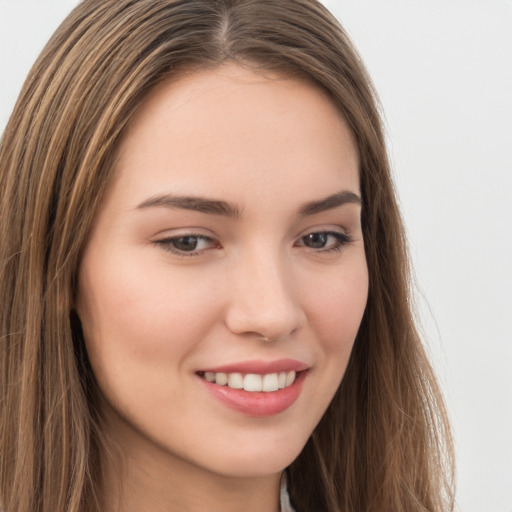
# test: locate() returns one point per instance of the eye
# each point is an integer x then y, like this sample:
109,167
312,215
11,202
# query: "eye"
187,245
324,241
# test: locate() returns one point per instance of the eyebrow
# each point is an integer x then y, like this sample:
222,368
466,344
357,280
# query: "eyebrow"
198,204
330,202
225,209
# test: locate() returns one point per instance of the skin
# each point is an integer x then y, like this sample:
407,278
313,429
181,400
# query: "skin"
254,288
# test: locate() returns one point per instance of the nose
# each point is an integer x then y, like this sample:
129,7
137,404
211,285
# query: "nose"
263,301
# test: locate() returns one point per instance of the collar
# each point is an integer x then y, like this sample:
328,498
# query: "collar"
286,506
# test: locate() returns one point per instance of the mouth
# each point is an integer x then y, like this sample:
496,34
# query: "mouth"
252,382
256,389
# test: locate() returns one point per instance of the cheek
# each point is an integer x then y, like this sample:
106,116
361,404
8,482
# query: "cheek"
335,312
337,309
136,320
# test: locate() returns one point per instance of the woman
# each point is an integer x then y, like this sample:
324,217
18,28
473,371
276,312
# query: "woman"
204,273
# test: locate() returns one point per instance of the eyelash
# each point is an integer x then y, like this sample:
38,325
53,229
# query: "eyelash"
342,239
168,244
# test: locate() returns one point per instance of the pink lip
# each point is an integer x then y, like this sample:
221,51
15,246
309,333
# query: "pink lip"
258,404
260,367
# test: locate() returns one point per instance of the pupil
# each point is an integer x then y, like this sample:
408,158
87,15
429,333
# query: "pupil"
186,243
316,240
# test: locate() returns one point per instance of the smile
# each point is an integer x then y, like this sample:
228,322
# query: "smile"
254,388
252,382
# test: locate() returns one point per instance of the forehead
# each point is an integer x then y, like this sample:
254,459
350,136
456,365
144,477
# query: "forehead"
214,130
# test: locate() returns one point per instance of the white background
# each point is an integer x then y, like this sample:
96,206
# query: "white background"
443,69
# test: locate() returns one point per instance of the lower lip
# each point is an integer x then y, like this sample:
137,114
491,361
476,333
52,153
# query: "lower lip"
259,404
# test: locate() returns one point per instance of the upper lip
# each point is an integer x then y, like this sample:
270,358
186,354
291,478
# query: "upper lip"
260,367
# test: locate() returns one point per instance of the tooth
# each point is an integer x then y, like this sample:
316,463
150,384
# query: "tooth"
235,381
290,377
221,379
270,382
252,382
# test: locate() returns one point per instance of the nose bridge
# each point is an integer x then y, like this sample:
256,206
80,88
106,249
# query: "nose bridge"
263,301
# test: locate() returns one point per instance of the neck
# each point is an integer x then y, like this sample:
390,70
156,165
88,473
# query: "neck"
142,476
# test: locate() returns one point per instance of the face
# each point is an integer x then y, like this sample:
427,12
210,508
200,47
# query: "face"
227,248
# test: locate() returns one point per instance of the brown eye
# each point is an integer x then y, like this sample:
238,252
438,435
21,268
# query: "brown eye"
325,240
316,240
185,243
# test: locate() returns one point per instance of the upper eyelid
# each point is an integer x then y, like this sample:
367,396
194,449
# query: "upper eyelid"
200,232
167,234
329,228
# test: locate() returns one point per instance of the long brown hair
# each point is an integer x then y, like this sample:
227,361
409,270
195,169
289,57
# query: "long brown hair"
383,444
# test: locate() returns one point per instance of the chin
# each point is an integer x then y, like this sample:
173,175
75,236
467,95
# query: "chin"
257,460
